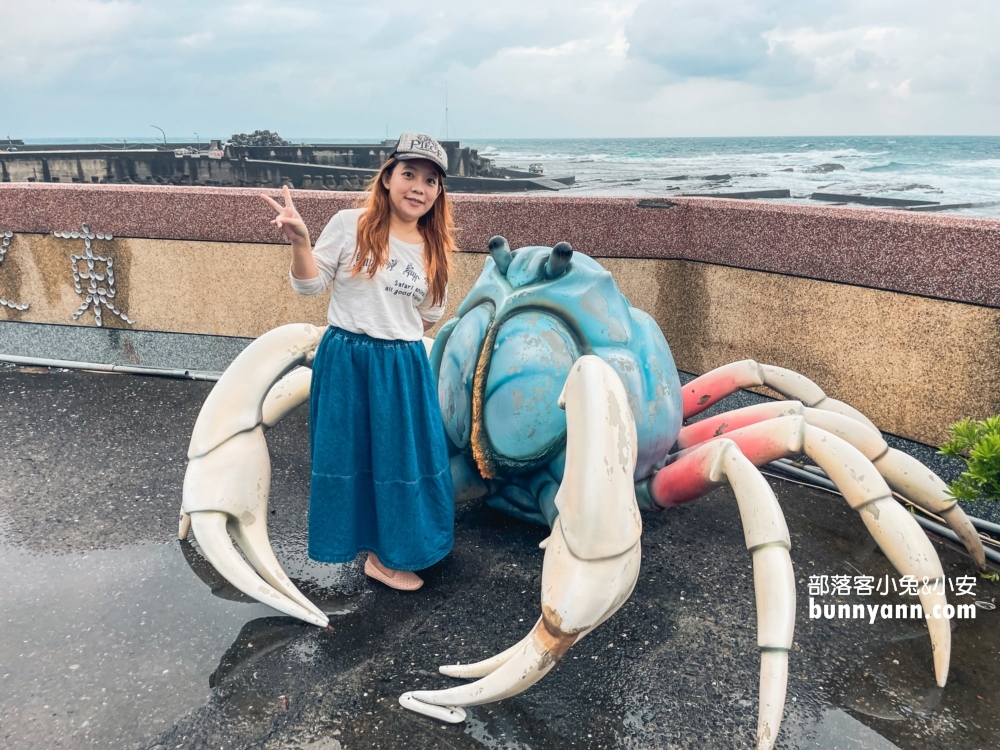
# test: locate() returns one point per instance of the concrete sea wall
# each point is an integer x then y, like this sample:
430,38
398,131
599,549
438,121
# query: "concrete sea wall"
328,167
895,313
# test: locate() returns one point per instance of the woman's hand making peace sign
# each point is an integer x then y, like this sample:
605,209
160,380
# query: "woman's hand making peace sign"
295,230
288,219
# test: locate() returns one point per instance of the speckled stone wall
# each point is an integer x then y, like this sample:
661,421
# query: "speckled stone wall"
949,257
896,313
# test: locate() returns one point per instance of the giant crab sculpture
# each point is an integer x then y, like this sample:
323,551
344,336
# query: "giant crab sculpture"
563,406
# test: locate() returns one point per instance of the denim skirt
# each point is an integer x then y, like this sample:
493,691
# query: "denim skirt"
381,479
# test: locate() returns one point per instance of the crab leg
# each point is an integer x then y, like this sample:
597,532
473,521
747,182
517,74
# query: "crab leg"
229,472
894,530
766,534
716,384
904,474
592,558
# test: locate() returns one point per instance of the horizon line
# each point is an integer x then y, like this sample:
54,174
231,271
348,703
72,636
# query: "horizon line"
299,140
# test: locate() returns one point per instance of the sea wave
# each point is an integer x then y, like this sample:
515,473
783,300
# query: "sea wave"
949,170
892,166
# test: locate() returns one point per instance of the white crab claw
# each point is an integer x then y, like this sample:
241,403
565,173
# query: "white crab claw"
228,489
229,473
236,402
286,395
592,557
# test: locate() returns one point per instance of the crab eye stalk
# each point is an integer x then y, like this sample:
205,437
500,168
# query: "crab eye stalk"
501,253
558,260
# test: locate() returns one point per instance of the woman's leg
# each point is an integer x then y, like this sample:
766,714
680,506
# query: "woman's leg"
414,497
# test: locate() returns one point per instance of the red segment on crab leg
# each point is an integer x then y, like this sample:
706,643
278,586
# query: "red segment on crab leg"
682,481
709,388
904,474
713,427
766,534
687,478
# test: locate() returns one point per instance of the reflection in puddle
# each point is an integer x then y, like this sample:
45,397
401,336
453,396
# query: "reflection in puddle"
888,686
484,735
492,731
208,575
260,637
110,647
894,689
106,648
840,731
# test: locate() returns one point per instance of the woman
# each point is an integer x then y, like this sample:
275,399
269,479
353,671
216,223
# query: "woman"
380,475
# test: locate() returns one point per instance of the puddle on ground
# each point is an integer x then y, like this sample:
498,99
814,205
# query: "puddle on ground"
118,647
885,695
893,691
840,731
110,647
493,734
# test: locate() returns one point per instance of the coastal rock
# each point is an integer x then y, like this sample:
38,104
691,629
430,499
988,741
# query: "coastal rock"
825,168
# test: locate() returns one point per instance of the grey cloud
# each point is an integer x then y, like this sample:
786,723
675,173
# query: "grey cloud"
337,68
787,47
722,39
865,60
695,39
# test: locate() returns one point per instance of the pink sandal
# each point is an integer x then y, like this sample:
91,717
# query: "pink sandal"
403,580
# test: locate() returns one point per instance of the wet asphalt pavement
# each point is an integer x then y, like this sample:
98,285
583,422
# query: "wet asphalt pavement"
114,634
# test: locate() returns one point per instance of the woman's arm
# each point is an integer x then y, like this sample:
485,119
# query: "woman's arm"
295,230
303,264
431,314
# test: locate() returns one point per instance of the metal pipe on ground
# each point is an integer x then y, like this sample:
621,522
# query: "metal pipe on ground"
980,523
784,466
991,554
164,372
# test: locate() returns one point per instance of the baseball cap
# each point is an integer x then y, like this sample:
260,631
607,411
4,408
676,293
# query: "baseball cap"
420,146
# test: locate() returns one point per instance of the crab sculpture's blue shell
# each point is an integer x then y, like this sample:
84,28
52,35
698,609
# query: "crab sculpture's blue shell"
501,365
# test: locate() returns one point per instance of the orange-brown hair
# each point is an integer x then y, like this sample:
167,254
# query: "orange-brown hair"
436,226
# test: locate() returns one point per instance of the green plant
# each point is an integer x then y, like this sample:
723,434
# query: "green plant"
978,444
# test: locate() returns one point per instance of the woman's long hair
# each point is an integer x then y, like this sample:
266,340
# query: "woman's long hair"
436,226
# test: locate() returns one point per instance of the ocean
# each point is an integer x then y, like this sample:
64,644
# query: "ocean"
945,169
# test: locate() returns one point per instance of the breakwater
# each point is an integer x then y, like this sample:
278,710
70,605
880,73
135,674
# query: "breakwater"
343,167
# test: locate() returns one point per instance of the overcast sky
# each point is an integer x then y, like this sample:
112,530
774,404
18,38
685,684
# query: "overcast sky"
524,68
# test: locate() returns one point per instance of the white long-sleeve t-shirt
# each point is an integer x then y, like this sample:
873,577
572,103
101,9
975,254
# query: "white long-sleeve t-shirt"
390,305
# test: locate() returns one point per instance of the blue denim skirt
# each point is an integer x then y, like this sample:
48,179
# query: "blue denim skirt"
381,479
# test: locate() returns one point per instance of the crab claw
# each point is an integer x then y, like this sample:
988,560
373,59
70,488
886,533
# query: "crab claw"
592,557
229,471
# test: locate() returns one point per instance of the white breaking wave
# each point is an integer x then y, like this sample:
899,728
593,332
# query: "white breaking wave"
942,169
